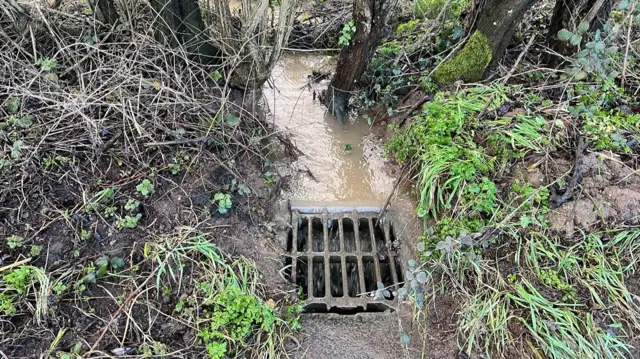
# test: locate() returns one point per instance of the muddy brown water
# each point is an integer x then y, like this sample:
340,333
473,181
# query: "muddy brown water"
345,160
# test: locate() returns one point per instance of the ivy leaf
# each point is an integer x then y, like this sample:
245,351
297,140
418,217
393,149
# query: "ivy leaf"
575,40
102,271
15,149
415,285
458,33
402,293
231,120
420,246
101,262
564,35
22,121
598,35
623,5
467,241
583,28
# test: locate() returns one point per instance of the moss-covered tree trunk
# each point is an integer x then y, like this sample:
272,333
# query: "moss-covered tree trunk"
371,18
496,24
568,14
180,24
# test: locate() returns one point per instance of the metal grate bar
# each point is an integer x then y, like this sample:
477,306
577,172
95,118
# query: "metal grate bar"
343,260
356,231
327,265
294,247
374,251
340,258
310,279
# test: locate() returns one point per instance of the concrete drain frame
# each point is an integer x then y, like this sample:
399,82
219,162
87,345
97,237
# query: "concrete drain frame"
338,257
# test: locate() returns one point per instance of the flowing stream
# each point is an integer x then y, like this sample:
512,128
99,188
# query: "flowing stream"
345,160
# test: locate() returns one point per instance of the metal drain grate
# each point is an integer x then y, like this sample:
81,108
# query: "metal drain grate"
338,259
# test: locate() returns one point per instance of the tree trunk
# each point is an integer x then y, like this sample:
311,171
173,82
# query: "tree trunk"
180,24
496,24
105,10
568,14
371,18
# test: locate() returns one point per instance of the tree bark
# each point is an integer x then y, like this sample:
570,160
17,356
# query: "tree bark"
496,24
568,14
371,18
180,24
498,20
105,10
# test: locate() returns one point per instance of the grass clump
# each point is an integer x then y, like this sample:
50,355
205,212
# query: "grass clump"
225,307
469,64
441,141
24,287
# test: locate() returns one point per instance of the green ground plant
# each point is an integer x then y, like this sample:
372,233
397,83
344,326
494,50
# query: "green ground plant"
145,188
15,241
230,312
431,8
129,221
223,201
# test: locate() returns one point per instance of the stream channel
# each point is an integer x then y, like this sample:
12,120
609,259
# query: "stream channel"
345,161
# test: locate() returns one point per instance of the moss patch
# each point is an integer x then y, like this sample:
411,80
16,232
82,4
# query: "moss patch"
469,64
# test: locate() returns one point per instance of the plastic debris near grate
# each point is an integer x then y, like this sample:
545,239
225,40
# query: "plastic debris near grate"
339,260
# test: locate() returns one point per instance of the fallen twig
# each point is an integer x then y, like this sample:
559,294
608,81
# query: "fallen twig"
577,173
16,264
117,312
626,51
415,106
403,172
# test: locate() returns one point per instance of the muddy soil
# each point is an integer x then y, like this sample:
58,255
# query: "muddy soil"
179,201
609,192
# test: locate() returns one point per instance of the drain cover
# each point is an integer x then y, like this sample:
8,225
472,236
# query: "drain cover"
337,260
